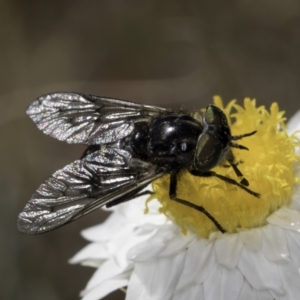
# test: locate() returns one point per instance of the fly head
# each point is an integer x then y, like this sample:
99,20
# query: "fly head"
214,143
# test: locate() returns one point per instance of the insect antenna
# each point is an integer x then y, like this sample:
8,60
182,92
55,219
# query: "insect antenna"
234,145
238,137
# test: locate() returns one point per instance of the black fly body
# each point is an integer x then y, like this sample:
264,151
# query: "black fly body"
129,146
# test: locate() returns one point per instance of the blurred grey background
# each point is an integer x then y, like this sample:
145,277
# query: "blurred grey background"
166,53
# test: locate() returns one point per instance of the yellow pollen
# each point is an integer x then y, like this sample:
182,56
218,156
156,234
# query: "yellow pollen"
268,166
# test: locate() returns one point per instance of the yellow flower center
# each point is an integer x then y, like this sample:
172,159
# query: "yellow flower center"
268,166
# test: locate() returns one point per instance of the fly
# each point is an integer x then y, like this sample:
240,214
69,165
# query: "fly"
129,146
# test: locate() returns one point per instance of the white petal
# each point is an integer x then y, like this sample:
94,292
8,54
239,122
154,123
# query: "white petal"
154,245
91,252
136,290
119,221
127,243
246,292
274,244
177,244
109,269
104,231
252,238
216,235
263,295
223,284
127,239
296,193
193,292
105,288
135,210
137,207
291,281
228,250
232,282
294,123
199,261
286,218
293,239
153,218
160,276
260,272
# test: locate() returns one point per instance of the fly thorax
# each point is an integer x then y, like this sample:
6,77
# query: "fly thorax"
173,139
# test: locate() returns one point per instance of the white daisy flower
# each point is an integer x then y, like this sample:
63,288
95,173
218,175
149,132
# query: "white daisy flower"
161,250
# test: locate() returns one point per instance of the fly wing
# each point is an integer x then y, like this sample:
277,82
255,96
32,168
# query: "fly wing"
83,186
87,119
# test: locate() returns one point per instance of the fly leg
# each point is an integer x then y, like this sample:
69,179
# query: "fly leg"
230,158
238,137
238,173
173,196
224,178
237,163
